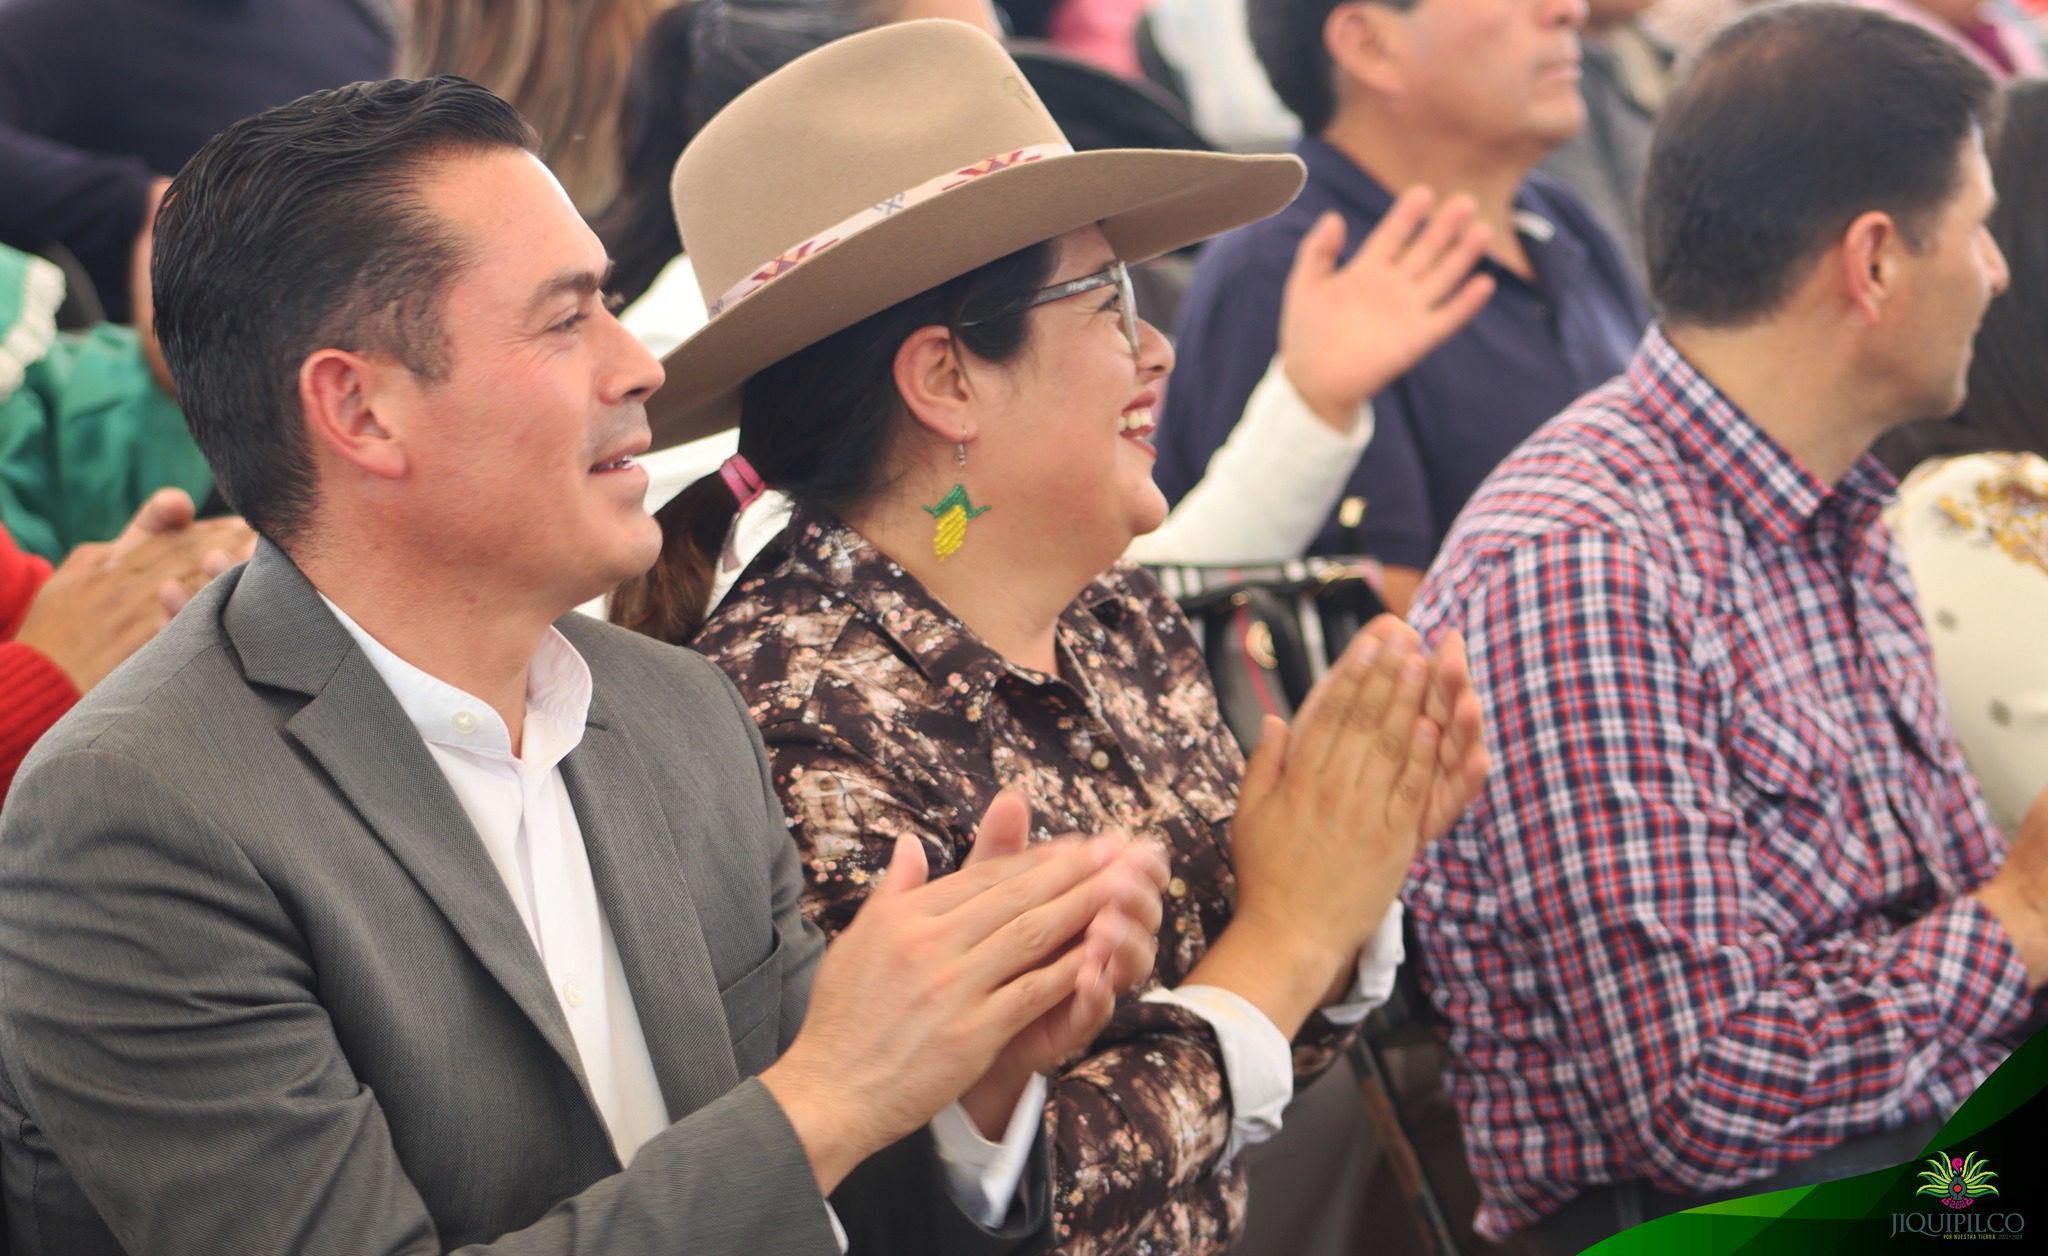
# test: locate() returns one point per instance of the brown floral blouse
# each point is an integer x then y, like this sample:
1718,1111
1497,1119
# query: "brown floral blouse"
886,718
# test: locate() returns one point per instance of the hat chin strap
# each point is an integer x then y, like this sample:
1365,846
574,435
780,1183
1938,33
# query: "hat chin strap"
775,267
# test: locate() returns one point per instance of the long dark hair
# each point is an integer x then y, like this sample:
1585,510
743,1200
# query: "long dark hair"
694,60
2007,407
817,426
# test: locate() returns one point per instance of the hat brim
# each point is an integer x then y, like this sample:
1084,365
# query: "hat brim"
1148,202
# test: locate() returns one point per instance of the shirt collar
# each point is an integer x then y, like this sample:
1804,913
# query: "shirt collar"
1352,183
1771,491
945,650
558,689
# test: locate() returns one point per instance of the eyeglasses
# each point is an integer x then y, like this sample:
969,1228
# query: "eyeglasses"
1116,273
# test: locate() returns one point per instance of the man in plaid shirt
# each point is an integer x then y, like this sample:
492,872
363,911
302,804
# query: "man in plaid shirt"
1730,908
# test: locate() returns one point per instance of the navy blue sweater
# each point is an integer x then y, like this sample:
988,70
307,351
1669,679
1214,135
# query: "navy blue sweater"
97,97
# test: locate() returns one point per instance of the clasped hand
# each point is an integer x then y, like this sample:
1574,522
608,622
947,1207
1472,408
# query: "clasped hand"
105,600
964,986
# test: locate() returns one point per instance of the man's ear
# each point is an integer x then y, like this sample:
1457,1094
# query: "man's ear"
934,385
352,409
1873,254
1364,41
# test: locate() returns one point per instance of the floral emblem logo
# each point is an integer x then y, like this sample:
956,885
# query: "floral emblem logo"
1958,1181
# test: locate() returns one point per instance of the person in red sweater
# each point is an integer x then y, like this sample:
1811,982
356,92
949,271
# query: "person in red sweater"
62,631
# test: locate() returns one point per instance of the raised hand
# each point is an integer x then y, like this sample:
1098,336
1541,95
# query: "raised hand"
1347,332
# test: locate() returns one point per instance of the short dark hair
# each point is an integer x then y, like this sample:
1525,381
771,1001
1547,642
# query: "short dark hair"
299,229
2008,378
1795,120
1288,37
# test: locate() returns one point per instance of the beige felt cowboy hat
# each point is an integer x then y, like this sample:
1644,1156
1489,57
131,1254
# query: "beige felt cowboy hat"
885,164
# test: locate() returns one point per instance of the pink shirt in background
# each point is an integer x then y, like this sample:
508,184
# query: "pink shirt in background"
1102,32
1992,35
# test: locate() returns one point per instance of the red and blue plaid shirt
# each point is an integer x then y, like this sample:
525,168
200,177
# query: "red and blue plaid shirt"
1706,919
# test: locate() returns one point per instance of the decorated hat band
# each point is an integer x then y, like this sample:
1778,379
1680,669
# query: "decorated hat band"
774,268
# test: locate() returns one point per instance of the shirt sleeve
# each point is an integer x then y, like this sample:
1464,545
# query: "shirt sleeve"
1267,492
37,691
1257,1060
1227,332
1710,1040
984,1176
1378,963
1143,1113
91,203
86,440
38,694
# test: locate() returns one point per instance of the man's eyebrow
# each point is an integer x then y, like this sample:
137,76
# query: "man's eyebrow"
577,283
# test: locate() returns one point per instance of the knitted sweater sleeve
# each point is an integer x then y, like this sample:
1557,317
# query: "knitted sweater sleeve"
34,692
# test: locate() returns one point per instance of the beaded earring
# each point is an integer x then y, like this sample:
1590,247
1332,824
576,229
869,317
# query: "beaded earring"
953,512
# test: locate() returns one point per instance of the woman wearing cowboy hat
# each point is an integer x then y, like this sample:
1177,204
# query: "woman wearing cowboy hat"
923,326
1347,331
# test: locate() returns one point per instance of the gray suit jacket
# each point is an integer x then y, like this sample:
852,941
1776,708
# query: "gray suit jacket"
261,989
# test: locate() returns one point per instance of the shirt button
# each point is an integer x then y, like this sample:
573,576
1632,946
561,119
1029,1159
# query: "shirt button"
1177,887
1099,760
464,722
572,994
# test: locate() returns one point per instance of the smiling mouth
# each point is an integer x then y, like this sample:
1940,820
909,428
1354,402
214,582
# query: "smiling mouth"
622,463
1137,425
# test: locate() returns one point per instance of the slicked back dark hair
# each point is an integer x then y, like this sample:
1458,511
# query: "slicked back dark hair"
1793,122
302,229
1288,37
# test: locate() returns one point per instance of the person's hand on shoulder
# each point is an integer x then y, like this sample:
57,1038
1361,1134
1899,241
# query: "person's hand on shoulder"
105,600
1347,332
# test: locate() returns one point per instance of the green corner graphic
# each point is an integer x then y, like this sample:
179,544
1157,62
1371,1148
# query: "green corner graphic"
1946,1195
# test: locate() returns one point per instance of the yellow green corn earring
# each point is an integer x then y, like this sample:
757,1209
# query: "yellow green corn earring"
953,511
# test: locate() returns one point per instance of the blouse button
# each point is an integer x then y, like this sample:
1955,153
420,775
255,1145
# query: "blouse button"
1099,760
464,721
1177,887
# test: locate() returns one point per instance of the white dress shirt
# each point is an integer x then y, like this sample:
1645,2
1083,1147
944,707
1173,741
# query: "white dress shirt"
520,807
1258,1061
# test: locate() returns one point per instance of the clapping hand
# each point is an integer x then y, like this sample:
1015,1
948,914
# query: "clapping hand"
1384,755
105,600
1122,943
961,987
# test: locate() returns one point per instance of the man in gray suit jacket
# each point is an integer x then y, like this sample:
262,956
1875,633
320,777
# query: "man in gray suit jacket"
376,906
